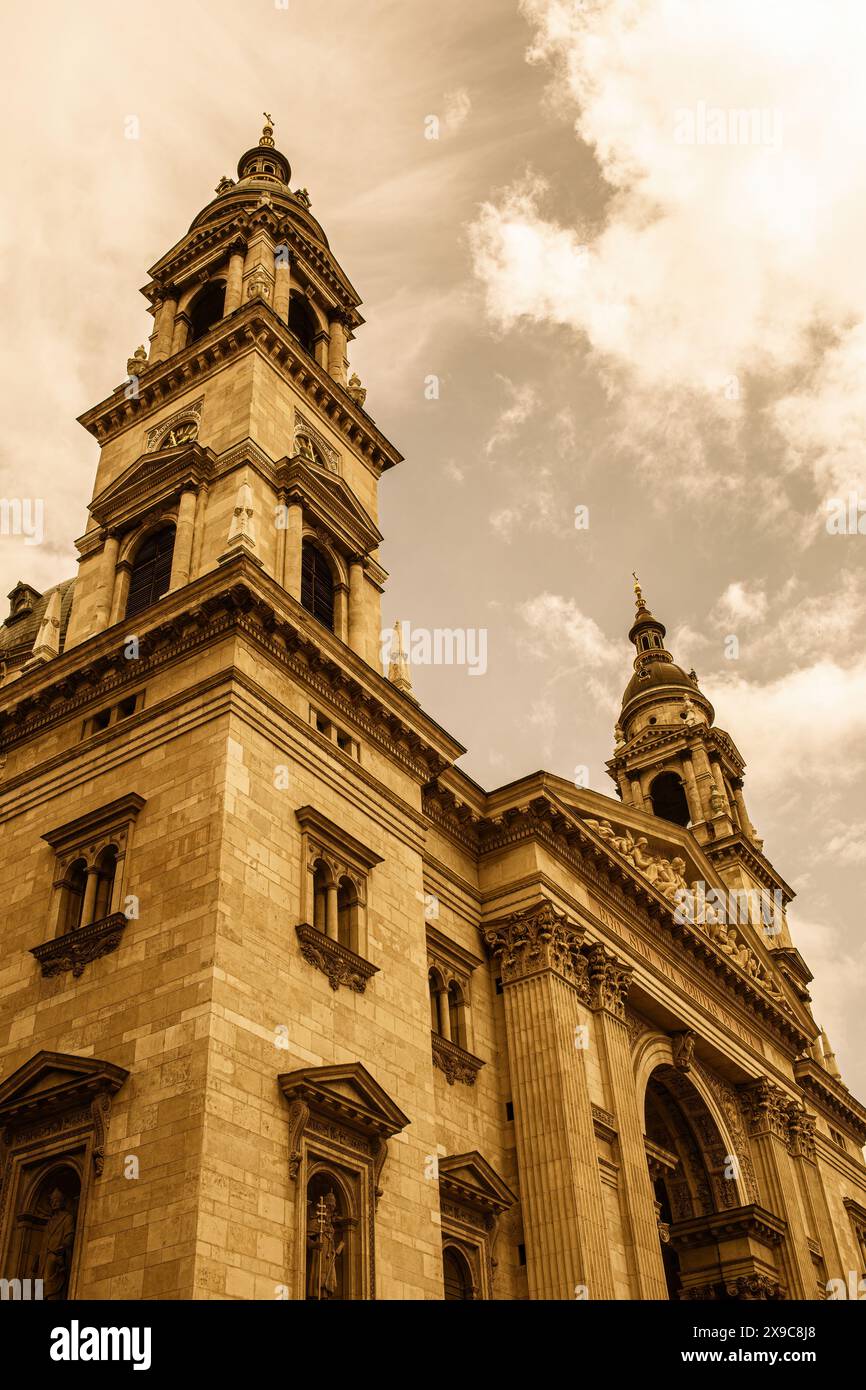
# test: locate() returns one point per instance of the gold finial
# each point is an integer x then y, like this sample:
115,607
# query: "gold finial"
639,599
268,132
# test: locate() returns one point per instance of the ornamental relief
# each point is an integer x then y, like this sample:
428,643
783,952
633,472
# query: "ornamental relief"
306,433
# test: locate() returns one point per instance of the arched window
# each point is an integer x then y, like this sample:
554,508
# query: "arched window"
321,879
73,896
151,570
106,867
457,1275
347,914
317,584
302,322
207,309
456,1014
669,799
437,995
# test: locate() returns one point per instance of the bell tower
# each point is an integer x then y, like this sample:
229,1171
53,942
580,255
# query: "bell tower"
672,761
238,430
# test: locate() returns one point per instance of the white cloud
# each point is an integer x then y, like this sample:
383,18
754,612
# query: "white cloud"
740,604
523,402
711,262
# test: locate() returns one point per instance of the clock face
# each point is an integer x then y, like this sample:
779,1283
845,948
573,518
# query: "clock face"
179,434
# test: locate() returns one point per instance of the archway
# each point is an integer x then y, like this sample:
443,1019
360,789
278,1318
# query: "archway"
668,797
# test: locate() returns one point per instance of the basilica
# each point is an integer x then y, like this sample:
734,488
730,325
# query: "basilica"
290,1007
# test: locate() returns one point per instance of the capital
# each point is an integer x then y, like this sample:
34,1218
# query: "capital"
536,940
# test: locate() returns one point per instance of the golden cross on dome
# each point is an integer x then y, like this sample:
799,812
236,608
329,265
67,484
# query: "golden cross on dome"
268,118
638,596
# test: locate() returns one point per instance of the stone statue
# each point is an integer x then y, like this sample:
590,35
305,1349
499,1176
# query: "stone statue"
618,736
356,390
303,197
647,863
137,363
691,714
324,1250
57,1242
242,531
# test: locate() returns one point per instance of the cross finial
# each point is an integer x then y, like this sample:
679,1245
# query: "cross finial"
638,594
267,136
268,117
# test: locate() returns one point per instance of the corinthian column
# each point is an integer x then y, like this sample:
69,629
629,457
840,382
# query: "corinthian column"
546,993
770,1115
609,985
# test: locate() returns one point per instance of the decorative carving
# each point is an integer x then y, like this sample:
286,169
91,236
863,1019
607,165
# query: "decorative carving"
454,1061
137,363
754,1287
730,1105
191,412
767,1108
539,938
299,1114
100,1110
609,981
356,390
683,1045
78,948
341,965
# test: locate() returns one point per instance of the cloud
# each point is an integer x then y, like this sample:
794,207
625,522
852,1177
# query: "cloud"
558,627
847,844
710,264
740,604
523,402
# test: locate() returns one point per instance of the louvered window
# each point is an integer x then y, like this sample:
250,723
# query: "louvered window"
317,585
151,571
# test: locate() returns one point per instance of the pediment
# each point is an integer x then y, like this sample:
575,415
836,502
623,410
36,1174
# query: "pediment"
347,1094
152,476
55,1081
470,1179
329,495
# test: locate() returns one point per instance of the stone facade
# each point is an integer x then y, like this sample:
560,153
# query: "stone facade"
290,1007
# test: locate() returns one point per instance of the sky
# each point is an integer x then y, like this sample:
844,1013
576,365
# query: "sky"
616,321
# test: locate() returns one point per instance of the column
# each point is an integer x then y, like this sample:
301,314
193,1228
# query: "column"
341,612
357,615
815,1198
768,1114
198,531
719,779
293,549
546,990
181,335
331,912
122,575
691,789
182,555
89,896
444,1014
165,326
235,278
117,886
105,595
609,983
742,814
337,349
282,283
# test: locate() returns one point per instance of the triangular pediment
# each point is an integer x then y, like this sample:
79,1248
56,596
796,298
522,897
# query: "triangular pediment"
329,496
55,1080
152,476
347,1094
470,1179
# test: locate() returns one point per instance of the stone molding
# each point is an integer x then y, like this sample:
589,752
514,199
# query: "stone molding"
337,962
455,1061
79,947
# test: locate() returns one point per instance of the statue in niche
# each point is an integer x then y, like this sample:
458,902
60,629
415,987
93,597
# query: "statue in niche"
323,1249
57,1242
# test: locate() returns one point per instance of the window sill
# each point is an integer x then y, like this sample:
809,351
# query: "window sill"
454,1061
341,965
79,947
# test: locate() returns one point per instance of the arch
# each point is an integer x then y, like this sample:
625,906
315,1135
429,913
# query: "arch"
436,986
47,1221
348,914
457,1275
206,309
456,1005
106,869
72,890
303,322
322,880
668,796
150,570
317,583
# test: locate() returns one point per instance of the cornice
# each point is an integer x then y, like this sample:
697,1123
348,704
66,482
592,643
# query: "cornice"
253,327
545,819
230,599
832,1096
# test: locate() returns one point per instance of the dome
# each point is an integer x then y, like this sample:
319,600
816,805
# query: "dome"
658,675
